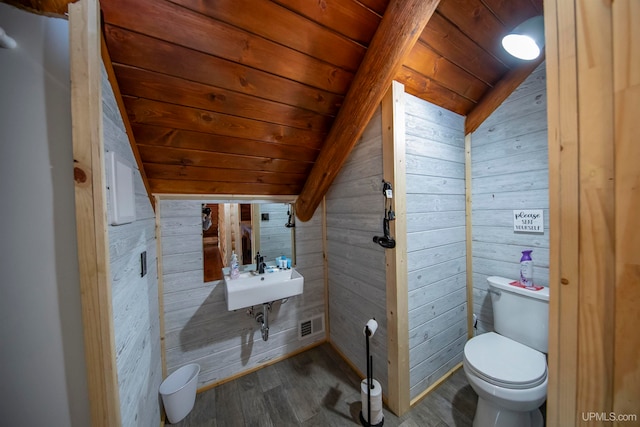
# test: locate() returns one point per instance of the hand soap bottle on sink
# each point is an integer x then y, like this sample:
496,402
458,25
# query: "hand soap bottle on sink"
235,270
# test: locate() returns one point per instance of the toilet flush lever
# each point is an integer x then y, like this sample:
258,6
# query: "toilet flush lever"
493,291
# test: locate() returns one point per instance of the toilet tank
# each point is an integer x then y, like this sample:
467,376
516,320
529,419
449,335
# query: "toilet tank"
520,314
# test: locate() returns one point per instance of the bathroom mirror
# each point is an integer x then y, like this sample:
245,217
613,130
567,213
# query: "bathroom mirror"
245,228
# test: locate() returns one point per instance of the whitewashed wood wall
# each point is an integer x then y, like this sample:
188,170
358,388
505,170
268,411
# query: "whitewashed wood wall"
198,327
275,238
436,250
135,299
356,265
509,171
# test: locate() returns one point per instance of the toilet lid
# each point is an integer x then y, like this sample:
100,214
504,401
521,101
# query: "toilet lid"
504,362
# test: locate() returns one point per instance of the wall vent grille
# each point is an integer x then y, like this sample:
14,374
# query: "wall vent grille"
312,326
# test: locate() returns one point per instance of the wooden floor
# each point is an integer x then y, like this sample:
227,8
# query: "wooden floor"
318,388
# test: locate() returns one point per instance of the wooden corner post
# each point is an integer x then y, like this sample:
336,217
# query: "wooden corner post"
394,172
91,212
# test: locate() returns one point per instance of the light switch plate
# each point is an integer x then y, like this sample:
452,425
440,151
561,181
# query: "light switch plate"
143,264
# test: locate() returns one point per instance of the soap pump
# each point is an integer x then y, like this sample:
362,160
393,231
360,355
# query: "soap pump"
235,271
526,268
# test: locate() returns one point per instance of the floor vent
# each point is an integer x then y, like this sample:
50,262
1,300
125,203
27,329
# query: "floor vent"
310,327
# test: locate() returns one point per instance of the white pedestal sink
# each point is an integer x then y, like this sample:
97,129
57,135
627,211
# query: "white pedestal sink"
253,289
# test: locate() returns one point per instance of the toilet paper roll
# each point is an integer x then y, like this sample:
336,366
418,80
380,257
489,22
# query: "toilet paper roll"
373,326
376,401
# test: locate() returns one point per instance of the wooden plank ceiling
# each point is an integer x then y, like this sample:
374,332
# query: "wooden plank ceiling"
238,96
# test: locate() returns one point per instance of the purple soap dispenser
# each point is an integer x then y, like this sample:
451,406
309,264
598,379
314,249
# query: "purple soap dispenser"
526,268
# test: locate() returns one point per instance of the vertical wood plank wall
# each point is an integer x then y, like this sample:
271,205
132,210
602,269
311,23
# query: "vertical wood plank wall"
509,170
436,247
594,76
135,308
356,265
198,327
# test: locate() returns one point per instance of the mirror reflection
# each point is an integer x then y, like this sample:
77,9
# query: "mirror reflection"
246,229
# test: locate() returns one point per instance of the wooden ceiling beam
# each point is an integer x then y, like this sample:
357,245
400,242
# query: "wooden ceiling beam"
498,94
399,30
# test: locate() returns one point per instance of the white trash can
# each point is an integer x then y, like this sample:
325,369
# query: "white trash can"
178,392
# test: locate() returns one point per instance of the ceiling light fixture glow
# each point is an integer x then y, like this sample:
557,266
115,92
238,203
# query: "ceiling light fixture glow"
526,40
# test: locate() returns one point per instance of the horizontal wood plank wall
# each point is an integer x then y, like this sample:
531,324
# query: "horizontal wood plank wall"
198,327
435,241
135,310
509,169
356,265
275,238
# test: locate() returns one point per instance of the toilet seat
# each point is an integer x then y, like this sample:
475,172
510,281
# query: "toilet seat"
505,363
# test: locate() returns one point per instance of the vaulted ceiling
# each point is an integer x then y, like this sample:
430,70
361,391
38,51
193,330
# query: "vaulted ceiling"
239,96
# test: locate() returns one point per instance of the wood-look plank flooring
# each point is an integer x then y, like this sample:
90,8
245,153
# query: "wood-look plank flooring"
318,388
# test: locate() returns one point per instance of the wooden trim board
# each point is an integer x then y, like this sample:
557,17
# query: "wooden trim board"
163,344
163,356
596,257
255,219
563,210
394,171
468,232
91,212
429,389
325,269
626,86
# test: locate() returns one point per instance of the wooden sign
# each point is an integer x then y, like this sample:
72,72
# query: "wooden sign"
528,221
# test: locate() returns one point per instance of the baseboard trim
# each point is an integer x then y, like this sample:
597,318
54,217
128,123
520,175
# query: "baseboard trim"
429,389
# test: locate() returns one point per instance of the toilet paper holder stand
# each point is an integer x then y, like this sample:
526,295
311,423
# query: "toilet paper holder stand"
369,329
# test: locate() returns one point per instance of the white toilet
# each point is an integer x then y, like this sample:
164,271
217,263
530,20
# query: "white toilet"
508,368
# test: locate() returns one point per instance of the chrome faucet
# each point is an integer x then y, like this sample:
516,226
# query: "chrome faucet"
260,264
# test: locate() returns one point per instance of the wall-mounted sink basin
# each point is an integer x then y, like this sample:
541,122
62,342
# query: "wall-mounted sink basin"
254,289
